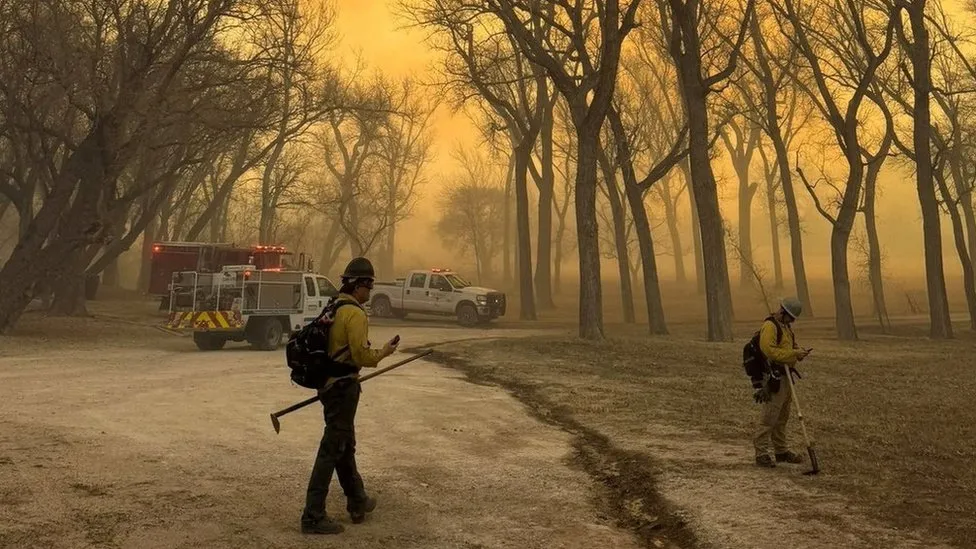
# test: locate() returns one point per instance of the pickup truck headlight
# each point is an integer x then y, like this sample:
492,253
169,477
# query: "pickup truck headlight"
482,299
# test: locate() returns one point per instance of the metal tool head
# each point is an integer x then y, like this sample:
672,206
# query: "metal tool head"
813,462
276,423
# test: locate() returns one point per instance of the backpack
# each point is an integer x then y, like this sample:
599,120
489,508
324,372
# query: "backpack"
307,350
754,361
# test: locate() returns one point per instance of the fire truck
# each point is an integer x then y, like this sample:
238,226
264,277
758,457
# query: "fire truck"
245,303
205,257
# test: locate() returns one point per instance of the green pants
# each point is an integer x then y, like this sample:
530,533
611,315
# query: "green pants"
775,415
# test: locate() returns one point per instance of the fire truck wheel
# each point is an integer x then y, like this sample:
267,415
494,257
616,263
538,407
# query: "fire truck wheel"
209,342
268,335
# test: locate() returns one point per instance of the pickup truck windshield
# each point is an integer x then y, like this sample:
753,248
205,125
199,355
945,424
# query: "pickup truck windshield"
457,281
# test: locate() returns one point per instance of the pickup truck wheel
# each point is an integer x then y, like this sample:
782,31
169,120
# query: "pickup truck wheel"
209,342
381,307
268,335
467,315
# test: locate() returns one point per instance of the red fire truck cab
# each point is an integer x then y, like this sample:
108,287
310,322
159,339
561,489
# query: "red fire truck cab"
206,257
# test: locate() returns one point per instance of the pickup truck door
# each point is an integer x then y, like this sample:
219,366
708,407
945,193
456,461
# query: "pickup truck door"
416,295
442,294
313,303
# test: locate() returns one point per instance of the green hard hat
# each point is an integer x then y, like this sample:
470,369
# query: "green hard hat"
359,267
792,306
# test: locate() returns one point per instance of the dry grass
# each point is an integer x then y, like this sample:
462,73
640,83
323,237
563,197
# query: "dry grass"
893,417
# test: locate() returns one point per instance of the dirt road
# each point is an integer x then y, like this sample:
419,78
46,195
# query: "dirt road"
152,443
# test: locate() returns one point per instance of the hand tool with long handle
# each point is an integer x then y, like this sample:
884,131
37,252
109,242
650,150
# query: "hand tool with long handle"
275,416
810,449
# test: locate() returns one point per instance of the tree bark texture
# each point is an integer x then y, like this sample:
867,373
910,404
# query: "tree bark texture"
919,53
587,234
620,239
543,272
523,155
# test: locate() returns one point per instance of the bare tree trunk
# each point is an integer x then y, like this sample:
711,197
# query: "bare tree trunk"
620,239
543,273
635,197
507,222
523,154
772,128
671,218
742,152
695,230
587,231
920,55
718,294
145,263
959,237
773,209
875,274
963,190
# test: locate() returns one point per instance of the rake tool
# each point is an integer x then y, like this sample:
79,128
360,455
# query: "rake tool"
275,416
803,428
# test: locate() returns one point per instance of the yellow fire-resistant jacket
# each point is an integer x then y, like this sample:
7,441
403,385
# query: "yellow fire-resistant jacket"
784,353
351,329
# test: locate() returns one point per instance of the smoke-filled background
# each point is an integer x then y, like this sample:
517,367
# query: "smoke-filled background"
692,164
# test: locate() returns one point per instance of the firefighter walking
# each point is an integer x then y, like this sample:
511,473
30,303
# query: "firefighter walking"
777,343
348,343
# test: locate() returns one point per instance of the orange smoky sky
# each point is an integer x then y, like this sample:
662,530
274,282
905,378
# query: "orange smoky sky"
372,29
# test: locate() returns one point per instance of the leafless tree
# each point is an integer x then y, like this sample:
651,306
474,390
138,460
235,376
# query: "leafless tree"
915,42
578,44
686,23
485,63
404,154
844,44
770,62
470,208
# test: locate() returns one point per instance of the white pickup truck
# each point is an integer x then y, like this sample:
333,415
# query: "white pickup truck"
437,292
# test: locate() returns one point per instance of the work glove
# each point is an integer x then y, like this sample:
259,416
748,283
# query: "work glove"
761,395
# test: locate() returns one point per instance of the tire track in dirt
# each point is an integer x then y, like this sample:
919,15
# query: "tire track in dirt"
632,499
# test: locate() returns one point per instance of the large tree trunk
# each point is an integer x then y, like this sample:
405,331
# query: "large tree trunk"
718,293
587,232
620,239
846,328
941,323
42,253
523,154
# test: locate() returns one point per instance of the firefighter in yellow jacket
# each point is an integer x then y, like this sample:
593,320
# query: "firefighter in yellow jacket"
777,343
348,343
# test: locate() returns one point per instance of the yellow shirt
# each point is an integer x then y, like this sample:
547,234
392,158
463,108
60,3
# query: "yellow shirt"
785,352
351,329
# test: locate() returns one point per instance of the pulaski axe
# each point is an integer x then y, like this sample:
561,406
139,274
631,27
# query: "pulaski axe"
275,416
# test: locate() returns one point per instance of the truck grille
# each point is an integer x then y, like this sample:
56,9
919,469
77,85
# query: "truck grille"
496,303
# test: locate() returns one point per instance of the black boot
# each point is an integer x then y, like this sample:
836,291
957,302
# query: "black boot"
765,461
325,527
358,511
788,457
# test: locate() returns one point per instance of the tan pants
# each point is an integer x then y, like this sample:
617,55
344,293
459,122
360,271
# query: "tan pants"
775,415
